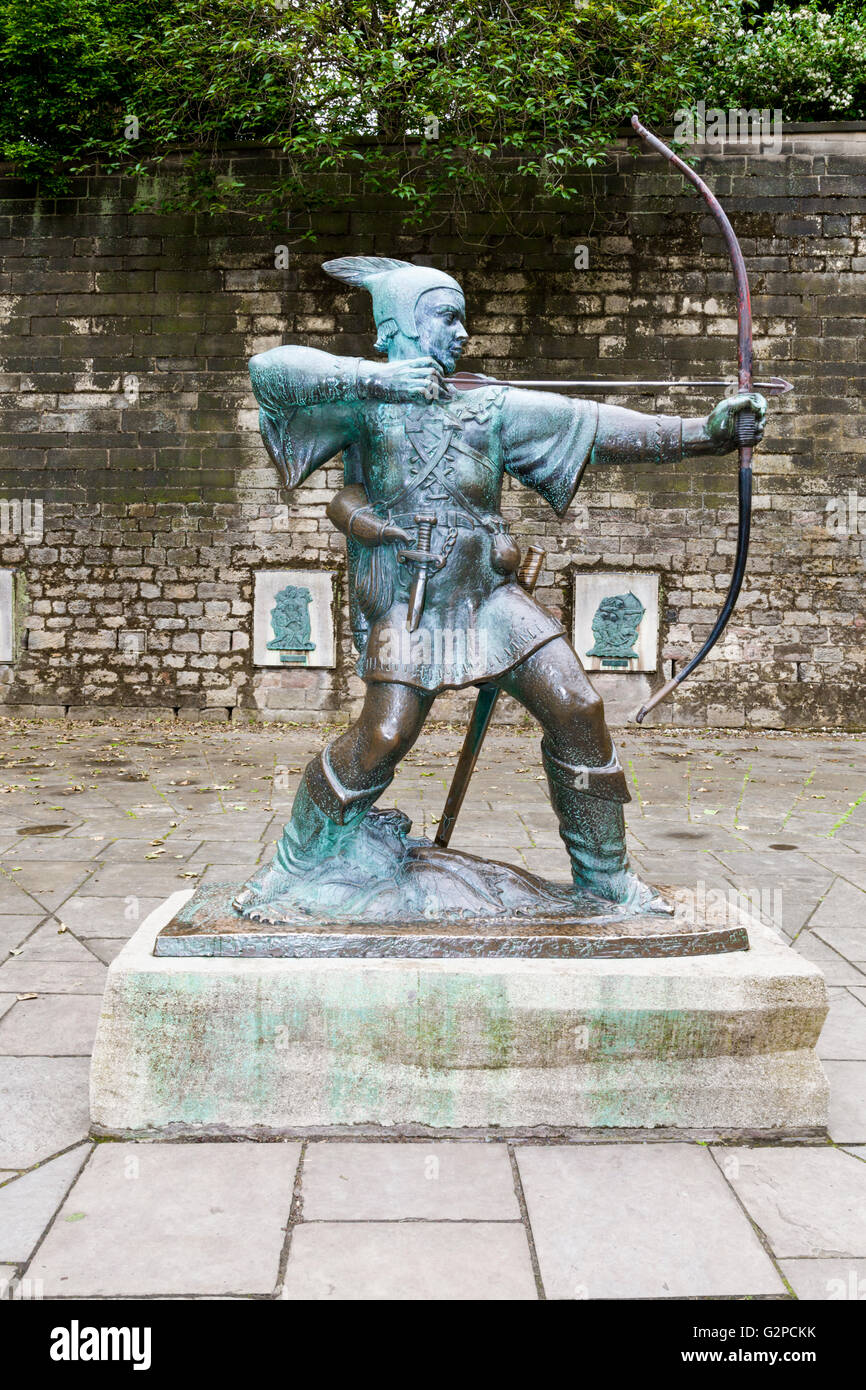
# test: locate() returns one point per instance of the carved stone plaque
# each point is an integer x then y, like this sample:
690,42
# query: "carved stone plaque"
616,620
293,618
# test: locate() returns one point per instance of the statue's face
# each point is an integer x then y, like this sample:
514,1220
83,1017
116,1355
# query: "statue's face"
441,331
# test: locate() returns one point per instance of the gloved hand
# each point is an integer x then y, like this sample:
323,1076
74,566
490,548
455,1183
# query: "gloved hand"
721,423
413,380
350,512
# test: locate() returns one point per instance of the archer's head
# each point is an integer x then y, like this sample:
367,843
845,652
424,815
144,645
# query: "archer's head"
419,311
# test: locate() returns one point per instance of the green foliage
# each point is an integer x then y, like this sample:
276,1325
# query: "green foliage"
65,76
421,99
807,62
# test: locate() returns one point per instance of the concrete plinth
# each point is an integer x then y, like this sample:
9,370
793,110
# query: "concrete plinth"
267,1048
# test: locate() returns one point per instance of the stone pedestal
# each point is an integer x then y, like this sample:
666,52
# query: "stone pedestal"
257,1047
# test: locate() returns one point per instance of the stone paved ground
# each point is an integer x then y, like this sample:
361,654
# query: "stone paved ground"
99,823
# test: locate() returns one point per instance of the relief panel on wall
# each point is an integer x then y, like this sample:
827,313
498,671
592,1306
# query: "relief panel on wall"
293,618
616,620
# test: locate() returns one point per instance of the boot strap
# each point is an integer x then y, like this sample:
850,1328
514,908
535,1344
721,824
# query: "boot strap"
338,802
607,783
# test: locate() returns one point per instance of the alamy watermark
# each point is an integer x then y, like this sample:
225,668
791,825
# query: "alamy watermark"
21,1290
846,516
723,907
77,1343
465,648
697,125
132,643
22,518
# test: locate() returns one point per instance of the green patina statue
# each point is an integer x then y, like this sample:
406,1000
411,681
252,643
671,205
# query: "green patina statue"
436,603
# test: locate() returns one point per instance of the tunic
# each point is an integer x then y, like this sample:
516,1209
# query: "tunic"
449,459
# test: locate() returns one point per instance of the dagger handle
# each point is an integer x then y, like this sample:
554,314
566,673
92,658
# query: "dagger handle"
425,526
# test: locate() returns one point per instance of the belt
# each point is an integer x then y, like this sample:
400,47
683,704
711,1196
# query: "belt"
447,520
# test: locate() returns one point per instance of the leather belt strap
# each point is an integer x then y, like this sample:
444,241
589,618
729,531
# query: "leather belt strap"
445,520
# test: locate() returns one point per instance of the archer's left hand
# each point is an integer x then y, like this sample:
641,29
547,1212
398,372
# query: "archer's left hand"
721,423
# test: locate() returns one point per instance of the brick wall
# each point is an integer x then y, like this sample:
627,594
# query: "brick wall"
140,498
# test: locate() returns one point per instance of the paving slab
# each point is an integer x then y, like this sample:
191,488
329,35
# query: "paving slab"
41,848
55,1025
105,948
849,863
145,880
48,942
229,825
52,976
14,902
28,1203
203,852
431,1182
223,873
639,1221
15,929
835,968
43,1107
843,1037
826,1280
808,1201
104,828
847,1123
49,884
127,850
850,942
398,1261
163,1219
843,906
108,916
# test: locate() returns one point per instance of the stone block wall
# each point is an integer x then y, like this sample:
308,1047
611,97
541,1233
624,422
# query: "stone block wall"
137,501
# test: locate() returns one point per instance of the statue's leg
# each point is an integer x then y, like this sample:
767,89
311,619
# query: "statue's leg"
586,781
341,784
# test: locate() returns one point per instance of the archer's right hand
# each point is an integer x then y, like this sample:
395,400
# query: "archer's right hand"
351,513
411,380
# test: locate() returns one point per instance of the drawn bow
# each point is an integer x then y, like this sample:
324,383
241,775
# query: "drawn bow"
745,420
468,381
772,386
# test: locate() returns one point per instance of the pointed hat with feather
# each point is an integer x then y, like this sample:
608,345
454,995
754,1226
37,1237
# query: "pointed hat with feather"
395,286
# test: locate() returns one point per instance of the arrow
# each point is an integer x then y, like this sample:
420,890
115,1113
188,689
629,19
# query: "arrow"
471,381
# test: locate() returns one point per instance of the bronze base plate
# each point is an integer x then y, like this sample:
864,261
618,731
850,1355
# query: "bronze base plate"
209,926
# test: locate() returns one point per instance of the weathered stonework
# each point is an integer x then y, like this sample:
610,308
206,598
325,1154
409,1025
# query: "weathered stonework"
128,432
267,1048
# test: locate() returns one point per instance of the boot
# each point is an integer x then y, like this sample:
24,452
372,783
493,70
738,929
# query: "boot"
588,802
325,818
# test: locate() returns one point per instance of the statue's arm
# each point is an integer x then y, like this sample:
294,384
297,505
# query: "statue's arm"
352,514
300,376
548,441
290,376
309,401
629,436
303,420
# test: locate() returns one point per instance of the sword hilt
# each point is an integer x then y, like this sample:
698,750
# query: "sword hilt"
425,526
422,556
